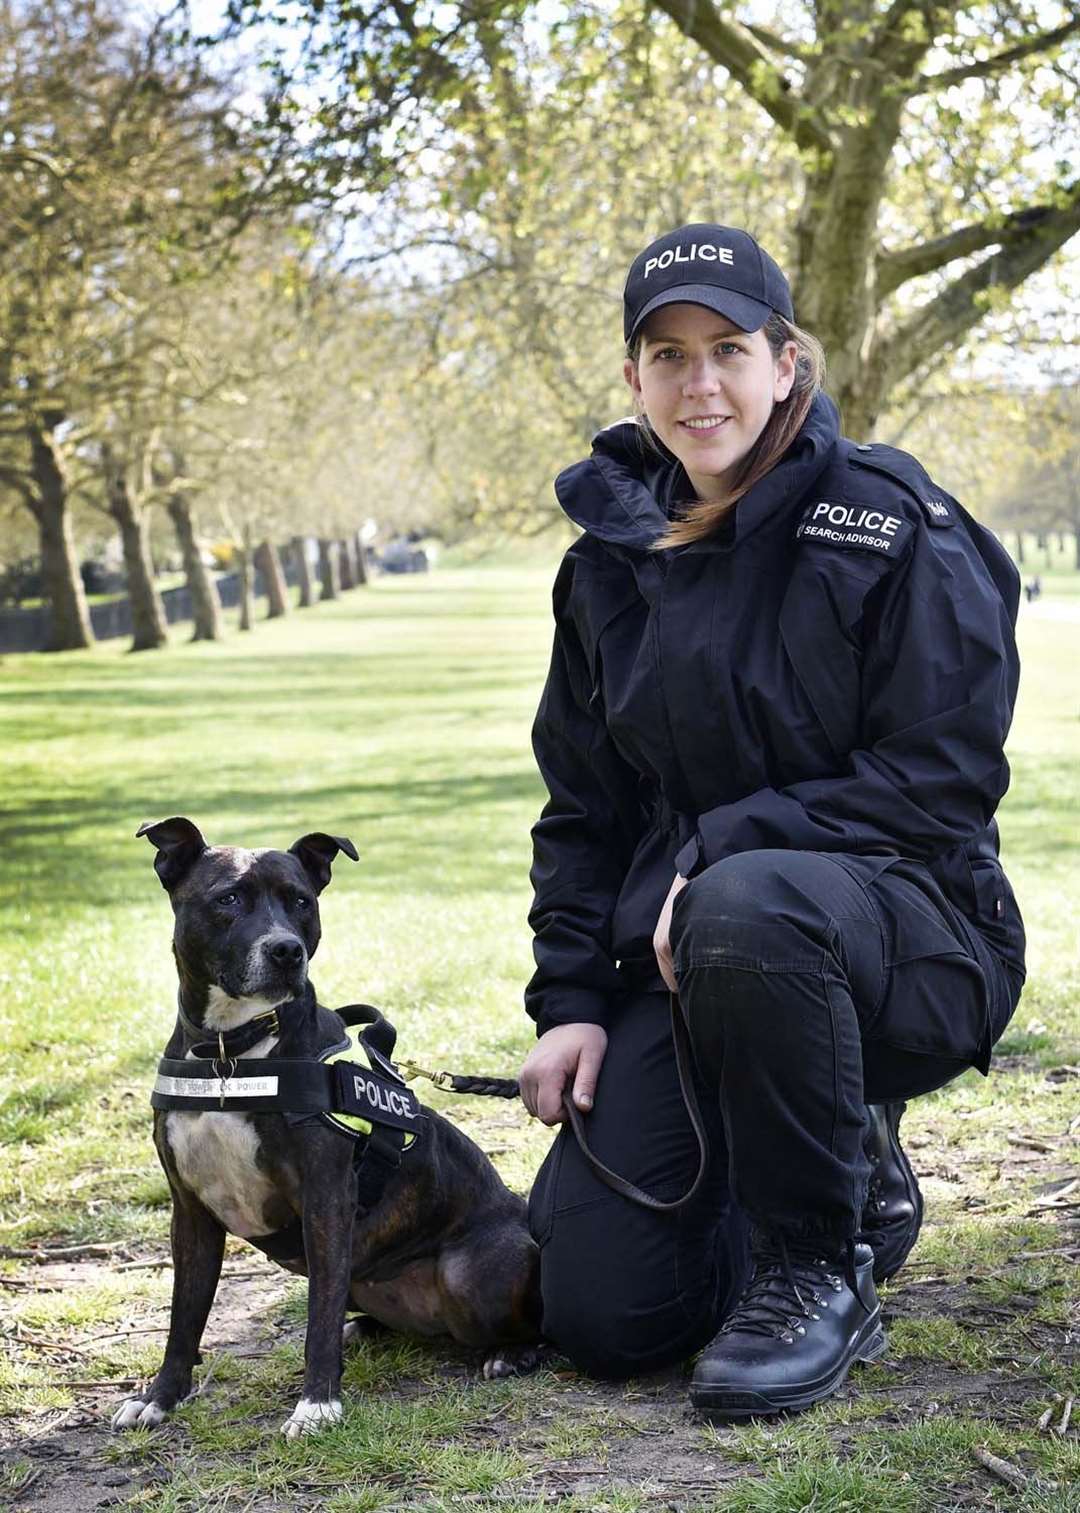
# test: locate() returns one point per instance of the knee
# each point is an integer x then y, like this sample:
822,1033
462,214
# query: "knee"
757,909
609,1336
619,1311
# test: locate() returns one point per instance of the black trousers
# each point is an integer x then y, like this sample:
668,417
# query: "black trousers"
812,984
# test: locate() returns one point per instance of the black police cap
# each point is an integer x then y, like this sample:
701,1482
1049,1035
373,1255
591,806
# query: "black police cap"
716,266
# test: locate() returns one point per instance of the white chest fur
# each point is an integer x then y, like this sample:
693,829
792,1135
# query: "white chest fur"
216,1152
215,1155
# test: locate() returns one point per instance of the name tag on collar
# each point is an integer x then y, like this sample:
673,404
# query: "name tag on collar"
858,527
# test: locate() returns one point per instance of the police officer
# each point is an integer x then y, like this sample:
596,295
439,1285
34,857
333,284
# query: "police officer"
783,673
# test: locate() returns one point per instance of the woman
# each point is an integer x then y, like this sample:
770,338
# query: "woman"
772,732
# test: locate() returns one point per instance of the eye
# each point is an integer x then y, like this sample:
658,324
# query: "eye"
226,900
302,901
667,354
728,348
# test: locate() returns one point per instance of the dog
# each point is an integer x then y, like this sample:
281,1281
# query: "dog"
442,1250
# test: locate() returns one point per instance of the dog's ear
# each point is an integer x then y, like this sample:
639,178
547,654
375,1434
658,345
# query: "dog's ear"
316,852
179,845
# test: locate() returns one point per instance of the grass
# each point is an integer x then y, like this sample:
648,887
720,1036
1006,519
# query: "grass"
399,716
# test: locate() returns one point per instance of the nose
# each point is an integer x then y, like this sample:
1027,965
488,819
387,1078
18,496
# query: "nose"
287,953
702,377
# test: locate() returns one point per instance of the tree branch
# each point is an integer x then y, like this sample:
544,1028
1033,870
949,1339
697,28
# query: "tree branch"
17,482
906,33
733,45
997,63
777,44
962,305
895,268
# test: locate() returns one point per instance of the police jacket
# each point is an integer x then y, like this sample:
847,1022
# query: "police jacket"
833,670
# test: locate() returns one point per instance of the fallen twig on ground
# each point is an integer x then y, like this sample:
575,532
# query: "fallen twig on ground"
1030,1142
42,1255
1004,1470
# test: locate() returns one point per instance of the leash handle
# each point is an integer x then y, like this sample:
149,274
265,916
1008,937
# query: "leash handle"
627,1189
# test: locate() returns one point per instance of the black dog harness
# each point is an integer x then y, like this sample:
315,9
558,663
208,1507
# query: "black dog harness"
368,1103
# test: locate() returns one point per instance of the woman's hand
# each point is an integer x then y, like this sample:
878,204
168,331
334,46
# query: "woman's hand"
661,935
568,1053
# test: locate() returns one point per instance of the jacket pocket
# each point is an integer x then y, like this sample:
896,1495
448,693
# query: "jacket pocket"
997,917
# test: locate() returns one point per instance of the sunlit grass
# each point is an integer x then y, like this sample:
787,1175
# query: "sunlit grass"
400,717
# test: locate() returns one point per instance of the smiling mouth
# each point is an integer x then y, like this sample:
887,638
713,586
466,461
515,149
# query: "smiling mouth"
704,424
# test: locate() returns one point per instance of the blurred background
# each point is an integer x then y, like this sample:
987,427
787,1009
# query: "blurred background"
281,274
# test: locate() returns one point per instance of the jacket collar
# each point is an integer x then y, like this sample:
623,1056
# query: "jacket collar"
617,493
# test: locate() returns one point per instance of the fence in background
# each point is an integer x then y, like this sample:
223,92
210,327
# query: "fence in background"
28,629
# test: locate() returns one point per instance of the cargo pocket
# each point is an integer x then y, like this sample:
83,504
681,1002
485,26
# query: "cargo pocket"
935,1015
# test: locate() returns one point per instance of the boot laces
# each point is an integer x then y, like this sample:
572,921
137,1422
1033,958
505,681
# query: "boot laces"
789,1288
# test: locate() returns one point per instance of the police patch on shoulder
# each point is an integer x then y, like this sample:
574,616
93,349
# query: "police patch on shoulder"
860,527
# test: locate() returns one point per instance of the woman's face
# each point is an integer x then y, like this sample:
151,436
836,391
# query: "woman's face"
707,389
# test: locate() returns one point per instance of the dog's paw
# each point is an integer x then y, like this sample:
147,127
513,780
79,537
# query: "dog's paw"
309,1417
361,1328
137,1413
516,1361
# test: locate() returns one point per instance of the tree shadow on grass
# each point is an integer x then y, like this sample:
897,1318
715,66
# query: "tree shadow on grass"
80,850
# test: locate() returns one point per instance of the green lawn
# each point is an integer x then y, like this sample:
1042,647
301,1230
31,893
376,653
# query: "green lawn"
399,716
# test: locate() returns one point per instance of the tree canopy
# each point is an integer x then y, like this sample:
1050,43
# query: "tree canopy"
935,143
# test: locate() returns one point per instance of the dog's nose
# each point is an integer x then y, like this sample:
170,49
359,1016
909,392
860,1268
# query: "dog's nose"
287,953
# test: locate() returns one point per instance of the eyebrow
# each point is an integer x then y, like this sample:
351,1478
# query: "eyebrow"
725,332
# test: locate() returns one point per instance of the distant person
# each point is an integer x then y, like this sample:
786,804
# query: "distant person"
783,673
1033,588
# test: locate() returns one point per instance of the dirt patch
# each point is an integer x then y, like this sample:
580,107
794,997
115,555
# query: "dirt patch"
647,1441
71,1453
591,1440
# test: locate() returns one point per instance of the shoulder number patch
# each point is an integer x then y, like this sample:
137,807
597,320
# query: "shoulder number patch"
938,512
857,526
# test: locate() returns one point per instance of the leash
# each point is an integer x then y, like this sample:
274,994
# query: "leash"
336,1088
505,1087
456,1082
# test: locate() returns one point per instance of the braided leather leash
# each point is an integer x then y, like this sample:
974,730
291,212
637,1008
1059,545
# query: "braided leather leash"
508,1087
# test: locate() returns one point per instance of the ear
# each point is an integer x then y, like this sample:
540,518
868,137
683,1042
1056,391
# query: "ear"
179,845
784,372
630,373
316,852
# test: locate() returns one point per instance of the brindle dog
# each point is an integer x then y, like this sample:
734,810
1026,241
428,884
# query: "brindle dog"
445,1249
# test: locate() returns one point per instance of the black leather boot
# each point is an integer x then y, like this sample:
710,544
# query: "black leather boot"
791,1338
892,1215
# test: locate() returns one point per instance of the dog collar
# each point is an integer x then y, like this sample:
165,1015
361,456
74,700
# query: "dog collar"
226,1044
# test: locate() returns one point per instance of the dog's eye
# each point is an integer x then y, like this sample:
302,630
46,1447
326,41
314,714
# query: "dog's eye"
302,901
226,899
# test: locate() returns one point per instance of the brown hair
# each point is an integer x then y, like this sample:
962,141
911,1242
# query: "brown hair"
699,520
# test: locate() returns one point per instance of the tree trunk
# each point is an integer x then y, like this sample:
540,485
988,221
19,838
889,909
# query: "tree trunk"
69,616
361,561
149,629
244,573
303,572
268,561
205,600
328,568
347,562
1019,548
